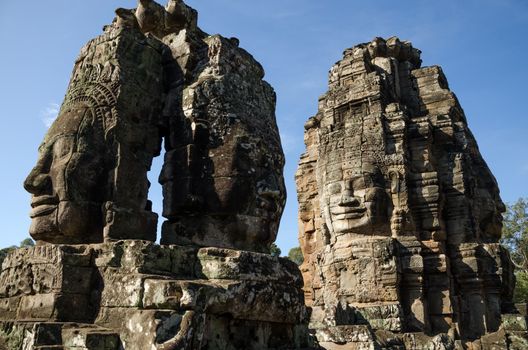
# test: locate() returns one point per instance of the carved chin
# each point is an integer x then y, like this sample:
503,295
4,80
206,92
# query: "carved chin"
44,226
67,221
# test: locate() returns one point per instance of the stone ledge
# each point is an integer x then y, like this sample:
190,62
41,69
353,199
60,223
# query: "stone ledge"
144,291
49,335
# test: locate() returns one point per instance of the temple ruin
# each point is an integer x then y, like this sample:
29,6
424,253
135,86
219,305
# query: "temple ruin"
399,215
96,280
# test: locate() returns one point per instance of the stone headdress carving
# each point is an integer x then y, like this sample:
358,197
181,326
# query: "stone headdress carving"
90,181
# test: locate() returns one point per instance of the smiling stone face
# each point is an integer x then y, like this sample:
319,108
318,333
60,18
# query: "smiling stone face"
356,204
65,184
352,173
397,208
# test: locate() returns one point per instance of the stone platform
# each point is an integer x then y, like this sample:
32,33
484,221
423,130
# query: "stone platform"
139,295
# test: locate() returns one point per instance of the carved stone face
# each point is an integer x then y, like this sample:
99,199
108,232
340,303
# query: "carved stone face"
358,203
222,175
66,184
231,195
250,189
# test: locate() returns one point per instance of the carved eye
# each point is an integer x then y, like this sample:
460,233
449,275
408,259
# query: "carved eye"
371,194
359,183
63,147
334,188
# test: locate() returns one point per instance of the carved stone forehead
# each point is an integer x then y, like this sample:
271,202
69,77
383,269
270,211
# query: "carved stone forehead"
349,153
67,123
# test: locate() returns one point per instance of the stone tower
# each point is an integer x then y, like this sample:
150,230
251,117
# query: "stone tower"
399,216
96,280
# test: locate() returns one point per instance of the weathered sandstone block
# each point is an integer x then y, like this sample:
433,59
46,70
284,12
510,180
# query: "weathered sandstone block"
154,75
226,294
90,182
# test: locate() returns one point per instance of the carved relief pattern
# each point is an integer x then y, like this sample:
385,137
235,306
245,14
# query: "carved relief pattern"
390,163
96,279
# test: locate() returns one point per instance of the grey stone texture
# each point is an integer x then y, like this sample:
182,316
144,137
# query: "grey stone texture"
154,74
222,176
90,182
139,295
96,280
399,215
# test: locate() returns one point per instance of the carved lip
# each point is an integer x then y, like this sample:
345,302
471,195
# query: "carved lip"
44,200
343,213
348,210
43,205
42,210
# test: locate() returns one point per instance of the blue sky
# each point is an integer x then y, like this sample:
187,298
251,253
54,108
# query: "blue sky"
481,45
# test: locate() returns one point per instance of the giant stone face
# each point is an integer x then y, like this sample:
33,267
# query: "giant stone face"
90,182
248,187
65,184
398,210
222,176
354,182
357,203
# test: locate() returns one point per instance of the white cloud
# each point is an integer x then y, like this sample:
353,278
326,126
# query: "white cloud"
49,114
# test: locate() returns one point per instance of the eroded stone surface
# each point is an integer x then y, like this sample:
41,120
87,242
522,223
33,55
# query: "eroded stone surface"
146,303
90,182
399,214
222,177
154,74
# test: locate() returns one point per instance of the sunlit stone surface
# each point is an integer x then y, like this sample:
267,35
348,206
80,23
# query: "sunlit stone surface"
96,280
399,215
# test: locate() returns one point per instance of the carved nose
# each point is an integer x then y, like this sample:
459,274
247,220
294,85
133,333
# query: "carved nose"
269,188
37,183
348,200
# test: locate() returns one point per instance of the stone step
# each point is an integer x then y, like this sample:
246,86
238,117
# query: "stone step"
90,338
55,336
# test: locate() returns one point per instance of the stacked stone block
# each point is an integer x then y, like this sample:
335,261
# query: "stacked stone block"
399,215
139,295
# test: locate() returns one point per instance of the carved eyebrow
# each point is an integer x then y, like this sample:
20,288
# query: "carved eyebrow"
352,177
49,143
